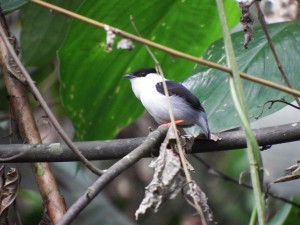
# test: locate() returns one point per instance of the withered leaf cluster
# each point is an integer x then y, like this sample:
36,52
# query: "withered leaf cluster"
9,185
247,21
169,179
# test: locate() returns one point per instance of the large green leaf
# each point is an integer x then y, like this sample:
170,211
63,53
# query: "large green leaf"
99,101
287,215
43,31
11,5
212,87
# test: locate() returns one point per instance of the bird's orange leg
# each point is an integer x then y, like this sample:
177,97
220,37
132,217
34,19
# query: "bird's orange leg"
169,124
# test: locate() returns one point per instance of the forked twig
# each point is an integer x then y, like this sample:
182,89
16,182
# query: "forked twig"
272,102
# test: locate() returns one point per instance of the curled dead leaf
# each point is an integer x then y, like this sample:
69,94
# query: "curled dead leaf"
247,21
291,173
168,178
194,193
9,190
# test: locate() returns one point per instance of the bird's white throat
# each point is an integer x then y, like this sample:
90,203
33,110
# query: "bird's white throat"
145,85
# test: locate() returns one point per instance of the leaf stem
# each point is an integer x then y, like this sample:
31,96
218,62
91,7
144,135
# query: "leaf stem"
237,93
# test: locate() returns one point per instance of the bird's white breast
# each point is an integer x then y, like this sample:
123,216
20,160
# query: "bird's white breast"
156,103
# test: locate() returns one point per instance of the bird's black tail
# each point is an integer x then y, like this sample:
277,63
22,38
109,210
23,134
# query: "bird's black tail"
203,123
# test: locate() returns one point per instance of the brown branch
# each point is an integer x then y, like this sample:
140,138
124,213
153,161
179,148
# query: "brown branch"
165,49
262,21
21,112
153,139
118,148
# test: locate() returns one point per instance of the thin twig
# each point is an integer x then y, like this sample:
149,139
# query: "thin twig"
44,105
262,21
215,172
166,49
272,102
178,142
7,136
145,148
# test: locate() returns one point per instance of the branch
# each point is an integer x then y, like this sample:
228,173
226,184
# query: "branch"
215,172
153,139
272,102
53,202
28,81
262,21
116,149
164,48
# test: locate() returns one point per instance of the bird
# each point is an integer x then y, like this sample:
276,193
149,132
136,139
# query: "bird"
147,86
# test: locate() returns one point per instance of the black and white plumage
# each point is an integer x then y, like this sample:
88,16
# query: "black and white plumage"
147,86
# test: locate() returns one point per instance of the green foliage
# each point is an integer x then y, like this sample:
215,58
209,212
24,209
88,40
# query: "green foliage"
287,215
11,5
40,38
98,100
33,210
212,87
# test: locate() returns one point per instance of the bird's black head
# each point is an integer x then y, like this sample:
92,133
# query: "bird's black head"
140,73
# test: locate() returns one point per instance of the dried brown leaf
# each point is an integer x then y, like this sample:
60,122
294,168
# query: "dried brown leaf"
187,143
9,190
292,173
247,21
168,178
194,193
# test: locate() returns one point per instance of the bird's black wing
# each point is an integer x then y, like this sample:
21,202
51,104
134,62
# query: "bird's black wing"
178,89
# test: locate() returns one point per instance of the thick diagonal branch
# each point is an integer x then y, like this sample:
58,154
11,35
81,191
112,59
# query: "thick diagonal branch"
153,139
22,114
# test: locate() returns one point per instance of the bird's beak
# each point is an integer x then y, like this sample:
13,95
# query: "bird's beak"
129,76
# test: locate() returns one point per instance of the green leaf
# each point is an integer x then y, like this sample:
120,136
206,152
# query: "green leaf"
99,101
43,31
11,5
211,86
287,215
